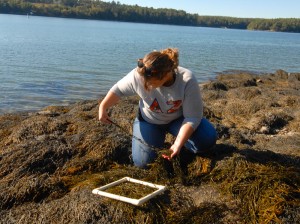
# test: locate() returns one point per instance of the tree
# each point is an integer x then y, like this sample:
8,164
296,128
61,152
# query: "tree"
96,9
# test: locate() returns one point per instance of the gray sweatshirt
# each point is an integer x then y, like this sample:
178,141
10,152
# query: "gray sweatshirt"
165,104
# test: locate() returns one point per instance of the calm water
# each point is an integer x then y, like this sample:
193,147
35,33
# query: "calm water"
47,61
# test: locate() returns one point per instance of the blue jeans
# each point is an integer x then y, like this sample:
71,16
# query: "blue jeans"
203,138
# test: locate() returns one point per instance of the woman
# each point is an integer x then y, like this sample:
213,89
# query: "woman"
170,101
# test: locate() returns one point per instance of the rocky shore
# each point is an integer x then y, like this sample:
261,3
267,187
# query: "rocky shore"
51,160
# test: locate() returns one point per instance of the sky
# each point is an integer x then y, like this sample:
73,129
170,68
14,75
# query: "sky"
232,8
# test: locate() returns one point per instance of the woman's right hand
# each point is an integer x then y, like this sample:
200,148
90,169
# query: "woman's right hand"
109,100
103,116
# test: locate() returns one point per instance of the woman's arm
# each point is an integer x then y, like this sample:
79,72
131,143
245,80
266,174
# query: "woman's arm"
192,112
109,100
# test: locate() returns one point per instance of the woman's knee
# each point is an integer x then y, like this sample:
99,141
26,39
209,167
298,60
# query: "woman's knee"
142,155
146,135
204,137
212,135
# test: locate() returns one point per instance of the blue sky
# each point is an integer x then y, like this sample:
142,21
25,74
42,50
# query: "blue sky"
234,8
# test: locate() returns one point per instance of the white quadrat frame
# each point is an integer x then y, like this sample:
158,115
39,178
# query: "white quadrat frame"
100,191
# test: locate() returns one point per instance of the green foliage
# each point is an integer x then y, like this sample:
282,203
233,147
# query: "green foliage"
114,11
282,25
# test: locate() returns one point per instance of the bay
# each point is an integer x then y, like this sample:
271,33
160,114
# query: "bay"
56,61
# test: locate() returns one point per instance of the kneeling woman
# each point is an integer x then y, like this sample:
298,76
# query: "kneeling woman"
170,102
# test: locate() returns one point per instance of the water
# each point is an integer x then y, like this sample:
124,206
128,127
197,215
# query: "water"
45,61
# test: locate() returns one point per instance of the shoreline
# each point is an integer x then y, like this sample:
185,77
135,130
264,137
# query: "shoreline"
72,102
252,24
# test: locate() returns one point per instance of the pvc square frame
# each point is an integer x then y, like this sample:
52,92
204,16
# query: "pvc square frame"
100,191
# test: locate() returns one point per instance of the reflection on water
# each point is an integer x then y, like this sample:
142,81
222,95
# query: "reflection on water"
47,61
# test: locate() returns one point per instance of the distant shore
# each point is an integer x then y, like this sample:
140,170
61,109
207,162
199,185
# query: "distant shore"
114,11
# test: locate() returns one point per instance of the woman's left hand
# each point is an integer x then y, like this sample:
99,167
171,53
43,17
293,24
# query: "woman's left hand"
175,151
185,132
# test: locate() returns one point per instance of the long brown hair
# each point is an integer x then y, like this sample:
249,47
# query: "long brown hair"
157,64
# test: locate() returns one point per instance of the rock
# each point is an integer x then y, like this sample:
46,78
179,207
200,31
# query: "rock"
51,160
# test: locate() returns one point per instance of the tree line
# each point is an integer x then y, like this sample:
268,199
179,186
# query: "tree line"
114,11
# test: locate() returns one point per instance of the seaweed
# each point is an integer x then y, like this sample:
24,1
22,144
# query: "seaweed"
51,160
130,190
